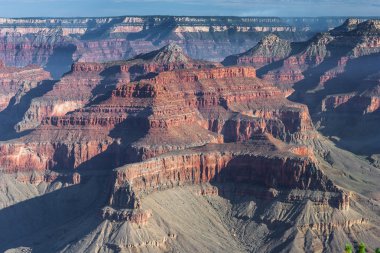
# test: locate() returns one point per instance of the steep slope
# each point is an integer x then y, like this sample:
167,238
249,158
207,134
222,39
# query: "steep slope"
335,74
55,43
18,81
162,153
88,82
159,113
270,49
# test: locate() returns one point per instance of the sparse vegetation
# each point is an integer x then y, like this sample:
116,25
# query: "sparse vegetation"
348,248
361,248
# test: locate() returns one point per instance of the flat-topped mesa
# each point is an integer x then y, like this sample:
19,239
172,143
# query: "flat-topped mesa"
174,98
204,74
219,165
87,67
270,49
154,86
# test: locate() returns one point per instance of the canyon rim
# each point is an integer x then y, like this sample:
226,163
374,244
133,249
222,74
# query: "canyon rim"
173,133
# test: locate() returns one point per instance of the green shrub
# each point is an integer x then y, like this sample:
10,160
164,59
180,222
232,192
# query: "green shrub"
362,248
348,248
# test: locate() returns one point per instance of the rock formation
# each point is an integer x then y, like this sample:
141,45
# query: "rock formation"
334,73
164,153
88,81
173,110
270,49
55,43
18,81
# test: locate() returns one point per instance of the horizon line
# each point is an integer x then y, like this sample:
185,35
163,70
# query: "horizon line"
193,16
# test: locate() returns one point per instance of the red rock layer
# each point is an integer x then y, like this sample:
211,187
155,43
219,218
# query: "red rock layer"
72,92
174,110
336,48
218,165
86,81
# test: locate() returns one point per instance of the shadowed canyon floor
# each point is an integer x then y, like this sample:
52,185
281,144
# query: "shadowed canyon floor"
165,153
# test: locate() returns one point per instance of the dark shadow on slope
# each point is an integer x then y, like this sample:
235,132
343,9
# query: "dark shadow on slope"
146,76
96,31
347,121
242,193
14,113
52,221
155,33
312,78
60,61
117,154
103,90
296,48
357,133
355,72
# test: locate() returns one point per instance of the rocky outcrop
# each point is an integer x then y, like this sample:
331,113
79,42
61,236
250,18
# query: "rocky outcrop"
75,90
270,49
334,75
221,165
333,49
42,41
168,58
171,111
16,82
166,153
89,81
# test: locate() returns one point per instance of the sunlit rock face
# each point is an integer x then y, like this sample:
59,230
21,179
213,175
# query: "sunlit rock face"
55,43
164,152
334,73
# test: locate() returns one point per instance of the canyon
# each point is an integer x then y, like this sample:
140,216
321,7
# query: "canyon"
55,43
132,134
334,73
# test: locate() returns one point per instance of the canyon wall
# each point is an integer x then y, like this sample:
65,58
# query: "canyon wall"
60,41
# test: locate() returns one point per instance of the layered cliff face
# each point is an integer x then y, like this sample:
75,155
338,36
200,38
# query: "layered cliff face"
257,189
208,38
353,39
55,43
165,153
173,110
88,82
270,49
334,73
15,82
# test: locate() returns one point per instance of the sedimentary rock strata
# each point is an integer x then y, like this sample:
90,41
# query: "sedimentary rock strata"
270,49
164,153
15,82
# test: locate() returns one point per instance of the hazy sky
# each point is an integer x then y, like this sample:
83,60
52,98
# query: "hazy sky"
31,8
